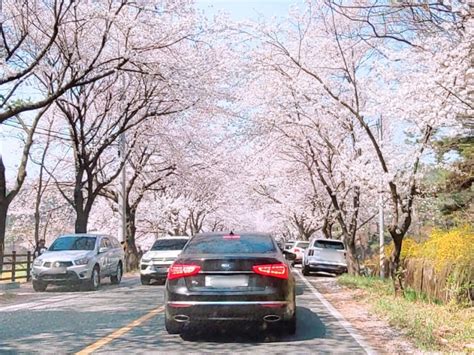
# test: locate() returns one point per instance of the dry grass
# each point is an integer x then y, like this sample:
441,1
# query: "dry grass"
433,327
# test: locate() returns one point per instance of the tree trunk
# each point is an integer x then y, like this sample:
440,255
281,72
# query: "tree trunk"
353,266
395,265
132,257
3,210
81,221
327,229
37,223
81,208
3,226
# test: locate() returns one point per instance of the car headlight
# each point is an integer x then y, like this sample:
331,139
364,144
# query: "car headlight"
82,261
37,262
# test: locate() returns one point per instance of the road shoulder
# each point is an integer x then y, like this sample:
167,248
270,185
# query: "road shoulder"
378,333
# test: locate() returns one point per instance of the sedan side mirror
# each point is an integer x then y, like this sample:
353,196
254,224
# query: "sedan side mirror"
289,255
103,250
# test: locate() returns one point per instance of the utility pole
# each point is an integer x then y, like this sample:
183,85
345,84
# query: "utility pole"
122,190
381,216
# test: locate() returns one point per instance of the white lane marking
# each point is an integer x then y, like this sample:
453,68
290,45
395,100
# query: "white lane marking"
335,313
32,305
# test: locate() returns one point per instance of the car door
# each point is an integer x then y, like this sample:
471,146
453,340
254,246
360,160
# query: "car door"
104,257
115,254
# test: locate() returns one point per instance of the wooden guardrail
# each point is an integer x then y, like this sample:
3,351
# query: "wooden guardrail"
16,266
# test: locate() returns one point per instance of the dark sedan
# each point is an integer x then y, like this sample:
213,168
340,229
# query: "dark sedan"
230,277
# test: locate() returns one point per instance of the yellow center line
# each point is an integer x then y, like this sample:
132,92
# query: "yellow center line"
119,332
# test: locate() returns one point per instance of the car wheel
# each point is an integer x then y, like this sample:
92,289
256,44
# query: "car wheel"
115,279
290,325
94,282
173,327
39,286
305,270
145,280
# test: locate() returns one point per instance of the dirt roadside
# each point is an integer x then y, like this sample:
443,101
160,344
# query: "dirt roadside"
383,338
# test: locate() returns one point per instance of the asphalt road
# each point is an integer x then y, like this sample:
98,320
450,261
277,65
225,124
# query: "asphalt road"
129,319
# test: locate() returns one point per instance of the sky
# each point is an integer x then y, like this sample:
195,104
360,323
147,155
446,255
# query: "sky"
237,10
246,9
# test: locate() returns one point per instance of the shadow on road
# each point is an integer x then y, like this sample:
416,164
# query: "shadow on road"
299,289
309,326
105,285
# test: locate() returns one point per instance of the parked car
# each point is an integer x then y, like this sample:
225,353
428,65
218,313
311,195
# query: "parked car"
325,255
289,244
154,264
298,248
225,277
79,259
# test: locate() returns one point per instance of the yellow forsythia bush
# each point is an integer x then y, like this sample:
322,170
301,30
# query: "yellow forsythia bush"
409,249
455,246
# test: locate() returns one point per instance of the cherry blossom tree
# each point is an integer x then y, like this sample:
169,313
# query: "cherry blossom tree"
53,48
321,51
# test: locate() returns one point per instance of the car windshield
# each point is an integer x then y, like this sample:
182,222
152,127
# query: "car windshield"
221,244
169,244
73,243
328,244
302,245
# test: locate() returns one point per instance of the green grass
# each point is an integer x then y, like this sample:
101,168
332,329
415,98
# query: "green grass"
432,326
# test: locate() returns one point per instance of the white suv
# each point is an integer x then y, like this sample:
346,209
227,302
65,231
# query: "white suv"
155,263
326,255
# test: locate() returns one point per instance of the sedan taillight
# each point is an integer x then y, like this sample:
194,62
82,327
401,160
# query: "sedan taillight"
182,270
275,270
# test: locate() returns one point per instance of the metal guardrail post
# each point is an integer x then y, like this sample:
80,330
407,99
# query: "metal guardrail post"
13,265
28,266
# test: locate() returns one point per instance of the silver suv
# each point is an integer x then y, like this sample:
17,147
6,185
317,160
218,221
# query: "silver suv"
79,259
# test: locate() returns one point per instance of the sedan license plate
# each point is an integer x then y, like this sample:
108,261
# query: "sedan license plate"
227,281
161,269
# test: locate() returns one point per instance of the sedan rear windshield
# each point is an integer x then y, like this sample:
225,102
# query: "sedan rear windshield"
73,243
328,244
169,244
219,244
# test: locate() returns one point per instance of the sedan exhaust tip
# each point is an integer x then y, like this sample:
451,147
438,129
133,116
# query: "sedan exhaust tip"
181,318
271,318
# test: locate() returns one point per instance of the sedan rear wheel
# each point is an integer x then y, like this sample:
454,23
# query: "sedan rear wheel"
172,326
305,270
290,325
